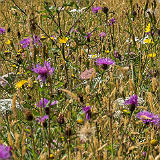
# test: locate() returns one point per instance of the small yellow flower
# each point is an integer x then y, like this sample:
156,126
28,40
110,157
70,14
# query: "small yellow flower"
148,28
52,38
106,51
148,41
21,83
14,66
151,55
154,142
80,121
94,56
63,39
8,42
18,73
51,156
20,51
43,37
125,111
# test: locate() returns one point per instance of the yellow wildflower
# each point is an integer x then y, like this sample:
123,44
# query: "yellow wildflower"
154,142
106,51
8,42
20,51
43,37
148,41
14,66
151,55
63,39
51,156
148,28
21,83
80,121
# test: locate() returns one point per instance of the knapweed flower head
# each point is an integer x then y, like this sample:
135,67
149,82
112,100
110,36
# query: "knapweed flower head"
43,71
105,62
26,42
42,103
5,152
2,30
96,9
42,119
36,40
102,34
148,118
132,102
87,111
112,21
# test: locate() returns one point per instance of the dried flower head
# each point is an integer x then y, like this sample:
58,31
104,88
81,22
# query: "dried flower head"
86,132
87,74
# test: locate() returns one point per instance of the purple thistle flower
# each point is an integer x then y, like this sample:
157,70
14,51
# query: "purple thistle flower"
43,71
96,9
26,42
42,103
105,62
133,102
112,21
36,39
148,117
2,30
4,152
102,34
87,111
42,119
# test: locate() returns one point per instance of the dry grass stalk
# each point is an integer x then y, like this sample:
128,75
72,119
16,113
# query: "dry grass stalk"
131,85
17,136
23,144
87,89
14,106
154,84
150,100
10,140
71,94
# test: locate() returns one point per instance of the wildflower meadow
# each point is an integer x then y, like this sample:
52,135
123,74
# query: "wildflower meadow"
80,79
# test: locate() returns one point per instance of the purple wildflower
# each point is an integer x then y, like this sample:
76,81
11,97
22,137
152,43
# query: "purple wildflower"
112,21
42,103
42,119
53,103
2,30
36,39
148,117
117,55
87,111
26,42
43,71
133,102
96,9
102,34
4,152
105,62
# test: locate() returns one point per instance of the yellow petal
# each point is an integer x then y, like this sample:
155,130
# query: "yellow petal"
151,55
8,42
21,83
63,40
